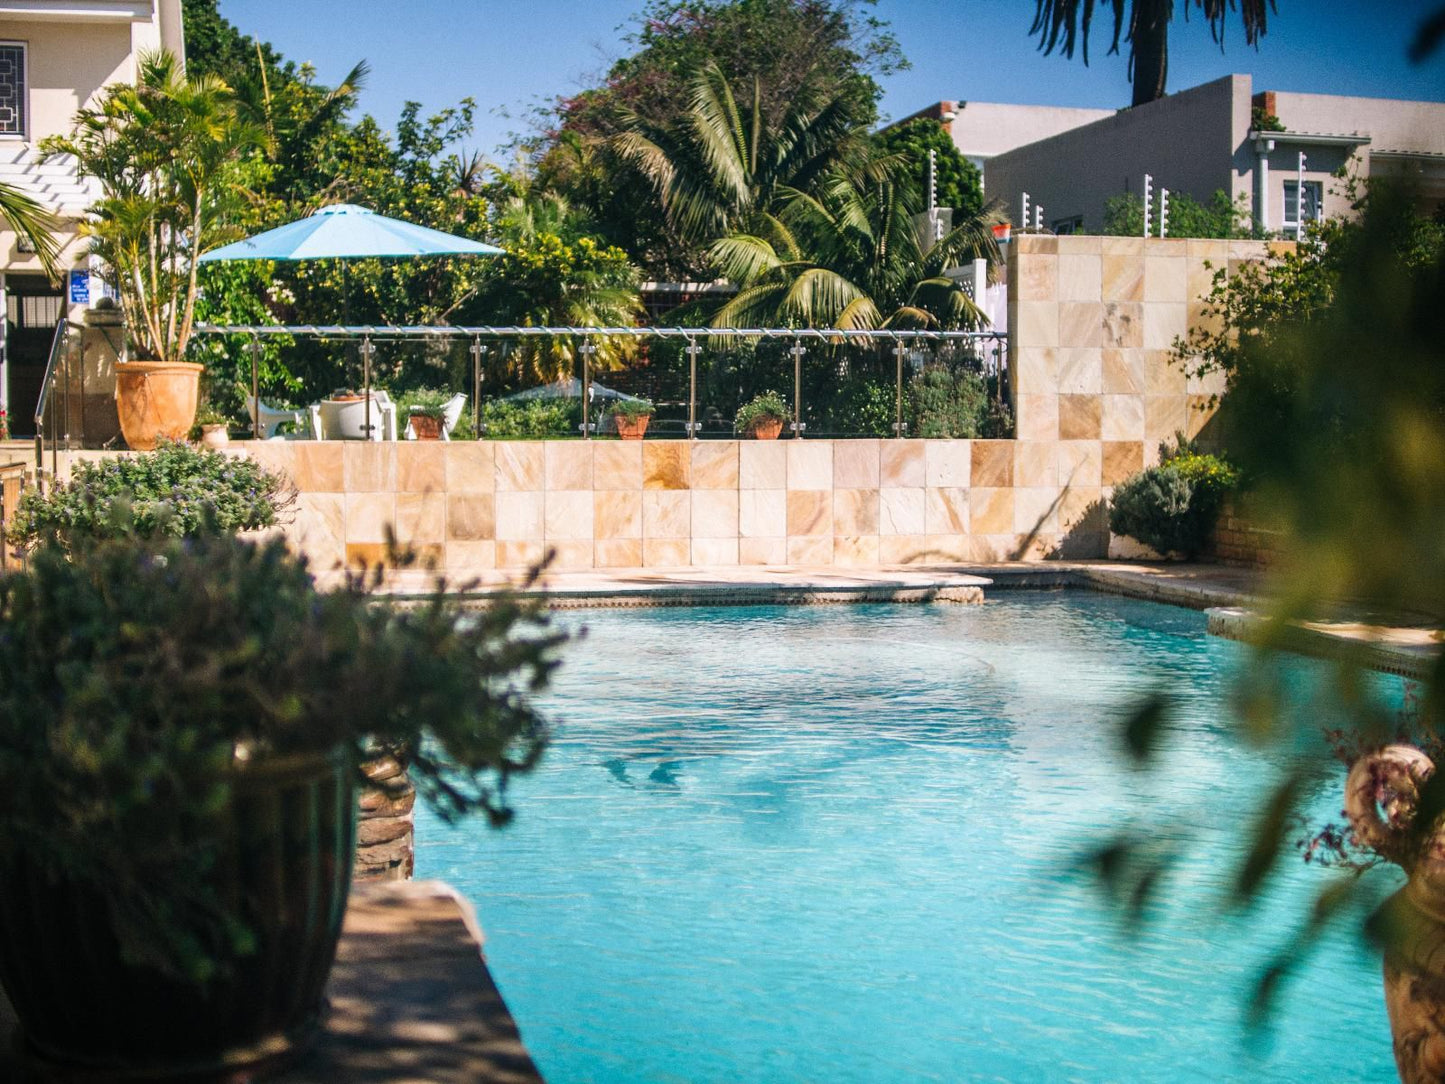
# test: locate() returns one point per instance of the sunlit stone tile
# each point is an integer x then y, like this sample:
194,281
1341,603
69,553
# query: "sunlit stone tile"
810,464
567,515
519,465
473,517
369,516
666,552
762,464
568,465
618,552
617,465
715,464
855,464
810,512
945,511
993,465
902,463
463,558
518,517
762,551
714,551
763,513
666,464
811,551
617,514
855,551
1036,462
1121,417
421,466
714,513
950,462
666,514
855,511
900,511
318,466
1036,511
420,518
471,466
991,511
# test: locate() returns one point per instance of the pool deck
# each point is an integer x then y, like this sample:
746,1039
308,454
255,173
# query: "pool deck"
410,999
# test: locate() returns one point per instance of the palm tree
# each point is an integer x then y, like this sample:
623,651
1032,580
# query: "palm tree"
727,167
850,258
31,221
1067,23
166,152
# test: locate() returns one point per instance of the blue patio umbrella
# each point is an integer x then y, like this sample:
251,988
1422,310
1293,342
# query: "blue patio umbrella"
345,232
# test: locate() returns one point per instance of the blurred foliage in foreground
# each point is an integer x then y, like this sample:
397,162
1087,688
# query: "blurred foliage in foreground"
1336,398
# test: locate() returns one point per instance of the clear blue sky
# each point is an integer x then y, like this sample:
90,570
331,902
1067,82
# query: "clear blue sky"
512,55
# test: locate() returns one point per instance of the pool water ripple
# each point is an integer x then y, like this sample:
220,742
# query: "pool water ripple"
837,844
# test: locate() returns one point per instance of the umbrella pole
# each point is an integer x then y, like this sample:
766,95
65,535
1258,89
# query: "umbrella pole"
477,351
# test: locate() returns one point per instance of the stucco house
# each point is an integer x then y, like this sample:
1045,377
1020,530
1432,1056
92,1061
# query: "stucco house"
1199,141
55,57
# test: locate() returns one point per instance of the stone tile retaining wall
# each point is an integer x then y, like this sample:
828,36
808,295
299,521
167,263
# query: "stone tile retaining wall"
1093,321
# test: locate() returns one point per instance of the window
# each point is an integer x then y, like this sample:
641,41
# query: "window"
1314,202
1069,225
12,89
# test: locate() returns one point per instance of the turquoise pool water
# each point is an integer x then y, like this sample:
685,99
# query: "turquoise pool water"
831,844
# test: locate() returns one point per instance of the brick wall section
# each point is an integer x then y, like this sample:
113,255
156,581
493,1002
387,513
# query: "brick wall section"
1239,542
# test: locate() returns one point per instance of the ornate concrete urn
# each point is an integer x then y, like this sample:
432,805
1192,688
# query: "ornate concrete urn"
1381,800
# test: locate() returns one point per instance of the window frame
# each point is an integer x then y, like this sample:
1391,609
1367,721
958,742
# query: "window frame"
1293,223
24,133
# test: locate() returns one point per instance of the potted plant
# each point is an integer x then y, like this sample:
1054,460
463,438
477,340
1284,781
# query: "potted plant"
762,417
630,417
168,153
425,410
181,725
212,427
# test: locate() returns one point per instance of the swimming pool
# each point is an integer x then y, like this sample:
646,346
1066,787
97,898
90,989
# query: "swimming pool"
832,844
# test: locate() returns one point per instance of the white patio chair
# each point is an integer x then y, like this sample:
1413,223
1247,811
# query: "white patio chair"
270,418
347,421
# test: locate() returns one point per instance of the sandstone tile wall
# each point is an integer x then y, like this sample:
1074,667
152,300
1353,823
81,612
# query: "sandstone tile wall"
1095,388
615,504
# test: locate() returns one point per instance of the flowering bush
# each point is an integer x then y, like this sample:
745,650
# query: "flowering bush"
4,424
1173,507
175,491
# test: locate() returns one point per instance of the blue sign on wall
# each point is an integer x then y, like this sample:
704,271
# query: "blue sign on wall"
79,287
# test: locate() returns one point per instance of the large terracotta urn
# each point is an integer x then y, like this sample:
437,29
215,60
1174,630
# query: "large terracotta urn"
156,400
1381,799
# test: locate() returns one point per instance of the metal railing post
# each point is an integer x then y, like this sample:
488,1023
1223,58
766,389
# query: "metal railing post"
254,349
692,352
366,351
587,349
898,396
797,424
477,351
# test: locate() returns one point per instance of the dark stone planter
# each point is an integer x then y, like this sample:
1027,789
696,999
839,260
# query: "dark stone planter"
87,1015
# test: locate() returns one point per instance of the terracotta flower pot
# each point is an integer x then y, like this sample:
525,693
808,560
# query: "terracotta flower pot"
215,436
426,427
766,428
156,400
631,428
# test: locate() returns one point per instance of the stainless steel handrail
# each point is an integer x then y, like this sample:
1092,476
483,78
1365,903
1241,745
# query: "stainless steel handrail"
57,344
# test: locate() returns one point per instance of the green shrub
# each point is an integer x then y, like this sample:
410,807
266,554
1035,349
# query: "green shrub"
136,677
175,490
1173,507
862,407
530,419
943,403
768,404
